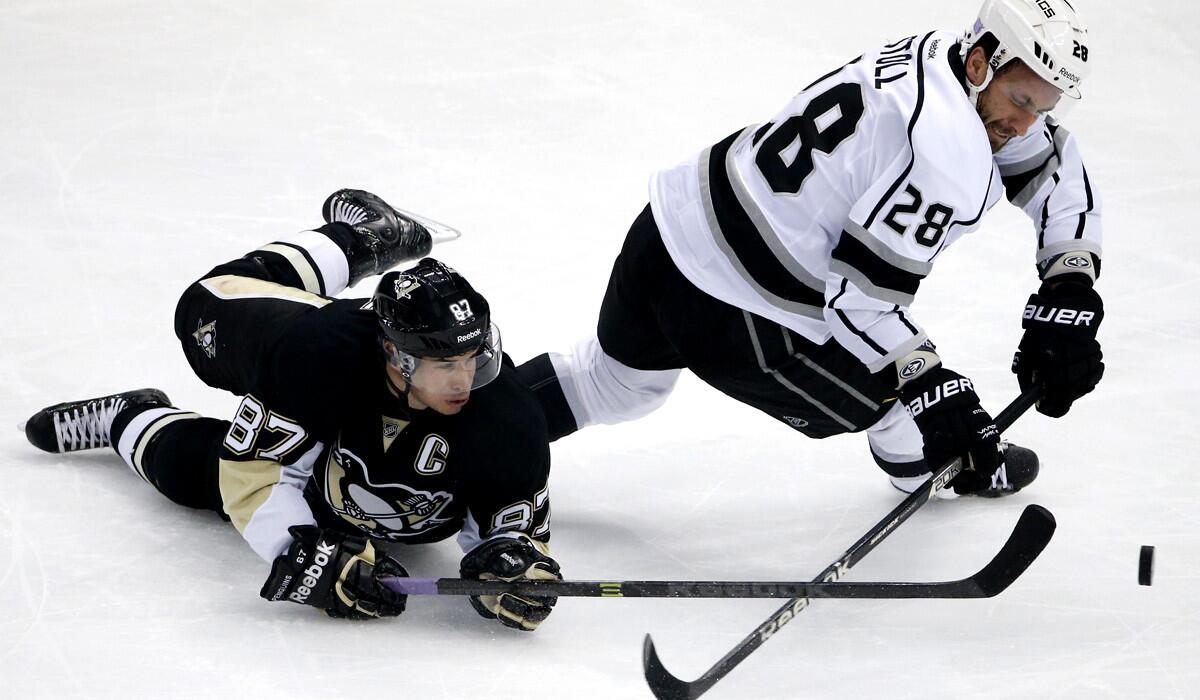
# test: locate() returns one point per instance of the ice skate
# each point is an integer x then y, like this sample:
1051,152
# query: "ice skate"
87,424
384,237
1018,468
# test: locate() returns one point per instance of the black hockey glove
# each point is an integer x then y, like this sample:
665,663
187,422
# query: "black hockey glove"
1059,353
336,573
509,559
952,423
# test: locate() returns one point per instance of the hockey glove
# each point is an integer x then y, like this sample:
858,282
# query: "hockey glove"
952,423
509,559
334,572
1059,353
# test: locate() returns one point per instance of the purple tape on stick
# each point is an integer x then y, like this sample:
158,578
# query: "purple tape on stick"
413,586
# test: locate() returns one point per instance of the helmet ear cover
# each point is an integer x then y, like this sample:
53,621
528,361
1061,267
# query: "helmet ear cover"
403,362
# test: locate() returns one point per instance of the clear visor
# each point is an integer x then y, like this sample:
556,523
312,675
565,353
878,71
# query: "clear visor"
457,376
1066,104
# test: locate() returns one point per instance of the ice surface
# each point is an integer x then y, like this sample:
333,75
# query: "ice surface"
141,143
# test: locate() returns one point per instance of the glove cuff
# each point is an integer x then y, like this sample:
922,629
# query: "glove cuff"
916,364
1078,265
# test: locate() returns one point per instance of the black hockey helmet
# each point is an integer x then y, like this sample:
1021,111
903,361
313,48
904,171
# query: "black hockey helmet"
429,311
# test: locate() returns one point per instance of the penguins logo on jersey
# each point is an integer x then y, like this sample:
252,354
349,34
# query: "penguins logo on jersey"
388,511
206,338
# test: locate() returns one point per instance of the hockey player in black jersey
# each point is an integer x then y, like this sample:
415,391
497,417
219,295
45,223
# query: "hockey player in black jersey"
396,419
779,264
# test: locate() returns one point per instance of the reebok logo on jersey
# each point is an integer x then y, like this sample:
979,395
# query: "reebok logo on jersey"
313,573
1066,317
943,391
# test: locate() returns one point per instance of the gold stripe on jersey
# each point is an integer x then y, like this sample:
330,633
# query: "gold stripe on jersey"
245,486
148,434
238,287
308,275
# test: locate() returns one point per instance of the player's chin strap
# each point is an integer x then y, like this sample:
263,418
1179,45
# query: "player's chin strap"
974,90
997,59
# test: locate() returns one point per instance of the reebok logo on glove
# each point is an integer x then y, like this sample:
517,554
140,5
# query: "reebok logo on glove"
1067,317
313,573
945,390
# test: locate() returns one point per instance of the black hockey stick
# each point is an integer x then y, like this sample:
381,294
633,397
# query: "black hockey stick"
666,686
1028,539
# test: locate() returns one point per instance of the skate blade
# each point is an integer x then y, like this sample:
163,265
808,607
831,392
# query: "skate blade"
438,232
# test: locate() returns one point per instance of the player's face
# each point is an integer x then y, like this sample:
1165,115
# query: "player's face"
1013,102
442,384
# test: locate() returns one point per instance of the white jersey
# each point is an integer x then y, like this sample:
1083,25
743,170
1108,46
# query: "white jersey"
826,218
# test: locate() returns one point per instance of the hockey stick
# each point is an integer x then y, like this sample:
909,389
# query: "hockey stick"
1030,536
666,686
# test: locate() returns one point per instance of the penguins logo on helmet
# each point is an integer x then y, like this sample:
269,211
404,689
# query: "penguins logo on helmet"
406,286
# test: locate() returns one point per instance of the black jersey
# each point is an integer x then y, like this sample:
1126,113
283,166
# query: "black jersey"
320,437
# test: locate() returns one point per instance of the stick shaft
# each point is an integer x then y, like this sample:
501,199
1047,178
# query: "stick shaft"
664,684
680,589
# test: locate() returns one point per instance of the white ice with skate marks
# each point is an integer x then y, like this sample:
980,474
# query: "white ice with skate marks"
143,145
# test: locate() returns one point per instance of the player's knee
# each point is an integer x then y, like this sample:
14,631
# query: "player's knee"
186,310
180,461
600,389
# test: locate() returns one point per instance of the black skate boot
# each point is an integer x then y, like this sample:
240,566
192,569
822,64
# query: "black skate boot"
384,237
1018,468
83,425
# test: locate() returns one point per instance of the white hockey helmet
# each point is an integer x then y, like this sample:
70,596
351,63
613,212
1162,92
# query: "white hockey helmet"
1046,35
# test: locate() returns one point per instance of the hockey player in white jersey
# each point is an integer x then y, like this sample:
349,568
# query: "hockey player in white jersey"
780,263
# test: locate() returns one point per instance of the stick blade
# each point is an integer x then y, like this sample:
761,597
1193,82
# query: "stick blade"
1030,536
663,684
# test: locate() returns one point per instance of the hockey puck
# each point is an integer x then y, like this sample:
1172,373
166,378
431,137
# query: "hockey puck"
1146,565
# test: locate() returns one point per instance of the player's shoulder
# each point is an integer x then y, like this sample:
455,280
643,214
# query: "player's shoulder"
509,402
942,130
913,99
503,423
914,79
322,361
